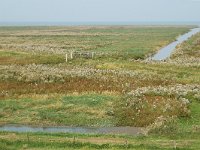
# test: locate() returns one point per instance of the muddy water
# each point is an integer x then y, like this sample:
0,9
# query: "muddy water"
81,130
165,52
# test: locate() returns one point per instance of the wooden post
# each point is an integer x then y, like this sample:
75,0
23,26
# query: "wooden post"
28,138
71,55
175,144
74,140
92,55
126,144
66,57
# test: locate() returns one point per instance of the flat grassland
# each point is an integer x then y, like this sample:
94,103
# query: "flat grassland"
117,87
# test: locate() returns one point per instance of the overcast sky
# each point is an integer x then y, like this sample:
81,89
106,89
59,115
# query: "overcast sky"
99,10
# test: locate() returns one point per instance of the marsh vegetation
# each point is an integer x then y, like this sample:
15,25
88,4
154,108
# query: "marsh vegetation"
120,87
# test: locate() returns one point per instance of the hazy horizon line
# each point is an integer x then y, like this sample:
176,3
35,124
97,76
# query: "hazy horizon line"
69,23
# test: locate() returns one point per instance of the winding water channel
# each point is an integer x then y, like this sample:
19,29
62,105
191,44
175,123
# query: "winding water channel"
163,54
82,130
166,51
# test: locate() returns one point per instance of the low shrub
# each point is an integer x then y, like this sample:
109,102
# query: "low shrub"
142,107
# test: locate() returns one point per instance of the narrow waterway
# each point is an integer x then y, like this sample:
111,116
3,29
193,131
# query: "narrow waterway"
80,130
166,51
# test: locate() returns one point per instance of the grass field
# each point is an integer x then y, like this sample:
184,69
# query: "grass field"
21,45
117,88
75,141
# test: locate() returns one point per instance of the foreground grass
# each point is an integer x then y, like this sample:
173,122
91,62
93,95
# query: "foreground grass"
186,136
74,141
55,109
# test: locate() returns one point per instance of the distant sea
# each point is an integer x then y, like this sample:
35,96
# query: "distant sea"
93,23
